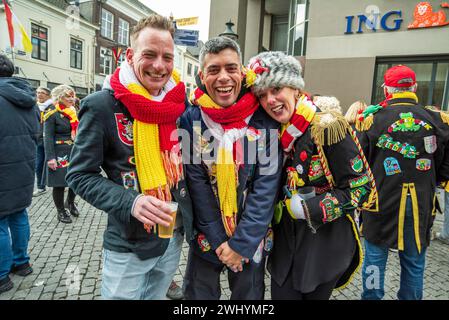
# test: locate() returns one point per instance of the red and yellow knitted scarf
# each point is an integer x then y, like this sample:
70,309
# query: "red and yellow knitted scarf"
158,158
232,122
69,113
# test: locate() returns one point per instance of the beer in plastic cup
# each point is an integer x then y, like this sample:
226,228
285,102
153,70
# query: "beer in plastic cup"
167,232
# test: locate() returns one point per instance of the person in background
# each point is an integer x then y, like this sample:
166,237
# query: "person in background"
60,126
44,102
19,129
443,235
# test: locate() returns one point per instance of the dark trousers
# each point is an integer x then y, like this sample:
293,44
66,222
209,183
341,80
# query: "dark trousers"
202,280
287,292
58,197
40,167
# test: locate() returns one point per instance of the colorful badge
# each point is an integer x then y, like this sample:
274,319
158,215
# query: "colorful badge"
407,123
391,166
293,179
359,181
330,208
269,240
132,160
257,258
124,129
315,170
303,156
129,180
300,169
423,164
203,243
357,164
357,195
430,144
322,189
253,134
62,162
386,142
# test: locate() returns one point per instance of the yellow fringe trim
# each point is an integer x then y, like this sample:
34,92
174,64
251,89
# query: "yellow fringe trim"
332,123
365,124
48,114
444,114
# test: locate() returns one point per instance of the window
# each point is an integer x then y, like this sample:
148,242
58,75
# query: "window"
39,39
188,90
196,71
123,32
105,61
189,69
107,24
298,35
76,54
432,76
121,58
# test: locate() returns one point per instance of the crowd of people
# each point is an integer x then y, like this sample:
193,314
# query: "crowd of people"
265,175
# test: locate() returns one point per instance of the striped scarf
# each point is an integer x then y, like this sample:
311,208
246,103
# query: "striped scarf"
158,158
228,126
298,124
69,113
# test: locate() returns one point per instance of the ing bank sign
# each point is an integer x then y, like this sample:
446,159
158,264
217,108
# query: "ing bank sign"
424,16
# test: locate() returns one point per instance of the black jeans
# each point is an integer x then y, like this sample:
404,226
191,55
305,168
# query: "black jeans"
287,292
58,197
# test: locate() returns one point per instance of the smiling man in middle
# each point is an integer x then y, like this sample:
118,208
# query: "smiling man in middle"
233,183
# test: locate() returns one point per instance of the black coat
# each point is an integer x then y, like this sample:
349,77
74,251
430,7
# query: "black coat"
313,251
381,225
19,129
104,141
256,192
58,145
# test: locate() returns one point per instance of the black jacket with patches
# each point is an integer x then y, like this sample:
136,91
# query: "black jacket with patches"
315,250
19,129
104,142
397,175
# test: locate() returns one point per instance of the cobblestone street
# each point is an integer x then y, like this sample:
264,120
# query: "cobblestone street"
67,260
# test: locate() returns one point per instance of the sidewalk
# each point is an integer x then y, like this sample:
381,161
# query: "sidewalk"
67,260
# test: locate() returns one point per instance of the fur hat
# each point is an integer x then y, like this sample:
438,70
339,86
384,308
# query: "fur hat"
275,69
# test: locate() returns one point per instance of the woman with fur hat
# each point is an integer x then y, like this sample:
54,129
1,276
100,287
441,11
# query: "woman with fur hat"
316,243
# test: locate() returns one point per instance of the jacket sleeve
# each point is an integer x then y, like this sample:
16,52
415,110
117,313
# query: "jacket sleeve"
207,216
49,138
84,173
260,201
352,184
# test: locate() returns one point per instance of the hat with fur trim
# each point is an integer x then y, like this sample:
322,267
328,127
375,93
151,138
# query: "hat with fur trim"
275,69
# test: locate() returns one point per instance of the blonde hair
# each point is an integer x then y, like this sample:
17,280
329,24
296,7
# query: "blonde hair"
154,21
354,111
327,103
60,92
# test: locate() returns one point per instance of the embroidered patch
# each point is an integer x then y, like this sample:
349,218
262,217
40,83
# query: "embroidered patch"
300,169
129,180
293,179
407,123
359,181
391,166
386,142
423,164
62,162
303,156
257,258
253,134
323,189
357,164
316,170
430,144
269,240
124,129
203,243
357,195
330,208
132,160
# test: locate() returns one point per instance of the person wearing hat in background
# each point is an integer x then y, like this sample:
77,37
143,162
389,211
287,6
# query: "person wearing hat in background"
233,185
316,243
44,102
406,147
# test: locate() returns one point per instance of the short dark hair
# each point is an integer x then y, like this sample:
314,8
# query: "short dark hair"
6,66
217,45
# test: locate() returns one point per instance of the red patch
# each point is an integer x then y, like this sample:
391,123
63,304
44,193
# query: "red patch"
303,156
124,129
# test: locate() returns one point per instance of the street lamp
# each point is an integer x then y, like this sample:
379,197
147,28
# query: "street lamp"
229,32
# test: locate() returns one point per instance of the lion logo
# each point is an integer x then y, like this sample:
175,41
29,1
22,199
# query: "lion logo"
425,17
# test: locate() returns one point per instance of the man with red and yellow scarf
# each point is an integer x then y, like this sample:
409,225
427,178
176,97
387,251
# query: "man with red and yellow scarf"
129,130
231,178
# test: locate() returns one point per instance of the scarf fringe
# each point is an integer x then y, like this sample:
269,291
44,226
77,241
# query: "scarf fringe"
330,124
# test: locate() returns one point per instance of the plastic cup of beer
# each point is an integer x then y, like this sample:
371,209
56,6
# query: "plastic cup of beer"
167,232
